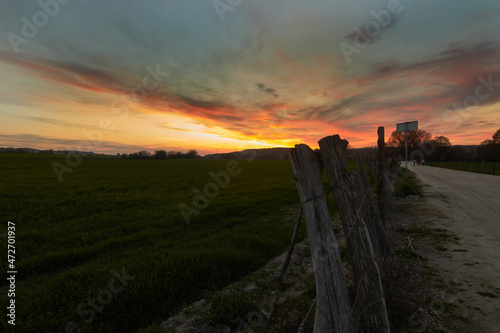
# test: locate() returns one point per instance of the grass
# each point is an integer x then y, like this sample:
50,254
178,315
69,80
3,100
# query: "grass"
406,186
405,253
227,308
123,216
469,166
111,214
438,236
486,294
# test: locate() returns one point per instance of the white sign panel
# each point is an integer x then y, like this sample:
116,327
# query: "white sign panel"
411,126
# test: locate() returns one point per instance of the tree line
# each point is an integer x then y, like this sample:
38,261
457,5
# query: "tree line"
421,145
140,155
161,155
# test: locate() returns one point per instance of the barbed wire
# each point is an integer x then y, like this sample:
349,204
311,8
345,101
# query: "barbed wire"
341,178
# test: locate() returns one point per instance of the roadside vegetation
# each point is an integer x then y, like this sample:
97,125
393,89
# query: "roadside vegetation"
491,168
405,186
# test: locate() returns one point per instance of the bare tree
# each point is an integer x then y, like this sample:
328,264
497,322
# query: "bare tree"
192,154
442,148
416,139
490,149
160,154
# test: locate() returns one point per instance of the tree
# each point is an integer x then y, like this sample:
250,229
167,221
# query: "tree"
416,139
160,154
496,137
141,155
192,154
442,141
442,148
490,149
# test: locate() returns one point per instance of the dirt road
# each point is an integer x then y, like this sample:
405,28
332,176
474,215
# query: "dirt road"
468,205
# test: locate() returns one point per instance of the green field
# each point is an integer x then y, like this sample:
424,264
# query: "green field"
469,166
115,214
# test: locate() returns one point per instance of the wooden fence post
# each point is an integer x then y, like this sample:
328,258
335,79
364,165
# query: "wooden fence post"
333,312
381,174
370,214
370,309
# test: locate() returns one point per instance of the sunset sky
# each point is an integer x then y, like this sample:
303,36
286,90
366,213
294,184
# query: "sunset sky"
121,76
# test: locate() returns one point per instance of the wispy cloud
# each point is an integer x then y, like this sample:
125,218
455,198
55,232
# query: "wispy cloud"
269,71
271,91
46,120
47,142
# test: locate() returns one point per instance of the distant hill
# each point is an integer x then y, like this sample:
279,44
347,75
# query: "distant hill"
259,154
284,153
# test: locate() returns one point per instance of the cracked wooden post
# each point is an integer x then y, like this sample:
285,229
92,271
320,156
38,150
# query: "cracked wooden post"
370,215
370,308
333,312
381,177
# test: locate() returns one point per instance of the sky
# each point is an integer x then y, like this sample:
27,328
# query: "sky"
118,76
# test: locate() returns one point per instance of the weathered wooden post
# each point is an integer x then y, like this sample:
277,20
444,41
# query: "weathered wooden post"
370,300
383,193
333,312
370,214
381,173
